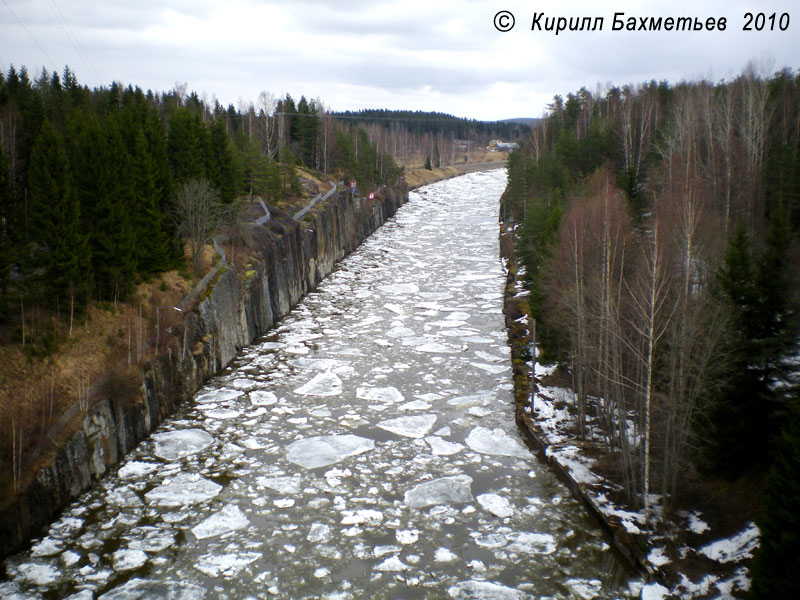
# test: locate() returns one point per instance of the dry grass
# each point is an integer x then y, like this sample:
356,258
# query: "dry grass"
35,392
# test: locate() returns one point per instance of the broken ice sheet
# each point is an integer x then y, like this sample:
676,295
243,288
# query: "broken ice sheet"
440,447
174,445
283,485
226,565
484,590
322,384
387,395
445,490
230,518
144,588
183,489
496,504
321,451
415,426
496,442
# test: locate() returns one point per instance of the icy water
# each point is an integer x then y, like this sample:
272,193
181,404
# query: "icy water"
366,449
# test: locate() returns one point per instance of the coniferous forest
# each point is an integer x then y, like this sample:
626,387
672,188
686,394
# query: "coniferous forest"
658,226
88,178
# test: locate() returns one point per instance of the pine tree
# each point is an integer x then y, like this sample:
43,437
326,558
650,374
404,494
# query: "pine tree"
777,560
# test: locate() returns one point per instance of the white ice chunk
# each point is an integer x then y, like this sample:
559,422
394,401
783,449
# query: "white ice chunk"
440,447
221,413
137,589
217,396
392,564
484,590
319,532
128,560
525,542
38,573
387,395
491,369
415,426
496,442
415,405
444,555
173,445
230,518
436,348
227,565
379,551
359,517
262,398
321,451
183,489
446,490
322,384
136,470
400,332
495,504
398,289
585,589
282,485
124,497
47,547
407,536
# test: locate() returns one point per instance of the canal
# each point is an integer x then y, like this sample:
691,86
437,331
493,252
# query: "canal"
366,448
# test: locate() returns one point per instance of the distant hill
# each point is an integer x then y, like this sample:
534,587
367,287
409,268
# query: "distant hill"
434,123
527,121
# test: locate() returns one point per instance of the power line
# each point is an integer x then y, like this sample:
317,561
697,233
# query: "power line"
73,39
52,62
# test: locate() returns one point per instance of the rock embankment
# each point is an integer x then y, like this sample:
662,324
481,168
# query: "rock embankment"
233,311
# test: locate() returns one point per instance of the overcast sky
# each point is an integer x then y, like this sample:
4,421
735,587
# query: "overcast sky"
443,55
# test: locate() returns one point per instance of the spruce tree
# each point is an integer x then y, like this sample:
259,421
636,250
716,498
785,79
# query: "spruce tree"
777,560
62,248
152,250
220,168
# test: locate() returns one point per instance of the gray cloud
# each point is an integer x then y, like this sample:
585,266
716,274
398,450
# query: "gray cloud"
442,55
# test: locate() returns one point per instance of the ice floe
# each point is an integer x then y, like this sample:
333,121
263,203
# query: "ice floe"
141,589
496,504
174,445
386,395
413,426
136,469
322,384
262,398
128,559
225,565
230,518
484,590
440,447
445,490
283,485
496,442
183,489
321,451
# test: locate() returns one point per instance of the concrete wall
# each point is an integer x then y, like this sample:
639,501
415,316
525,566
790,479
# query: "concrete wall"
292,259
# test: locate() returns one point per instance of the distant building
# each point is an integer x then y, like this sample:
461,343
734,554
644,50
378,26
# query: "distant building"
500,146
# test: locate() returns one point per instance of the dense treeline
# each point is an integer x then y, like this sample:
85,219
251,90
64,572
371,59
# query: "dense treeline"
415,138
88,178
658,228
435,123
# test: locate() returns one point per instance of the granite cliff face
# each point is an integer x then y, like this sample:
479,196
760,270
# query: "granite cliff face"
236,309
